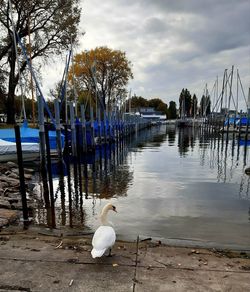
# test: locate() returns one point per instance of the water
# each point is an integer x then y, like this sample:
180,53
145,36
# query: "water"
179,185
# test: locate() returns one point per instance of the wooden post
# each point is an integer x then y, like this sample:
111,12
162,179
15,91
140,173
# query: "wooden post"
58,128
109,133
43,157
51,190
84,136
92,130
73,128
105,127
68,175
21,177
99,125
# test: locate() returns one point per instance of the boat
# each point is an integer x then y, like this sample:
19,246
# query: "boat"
8,152
29,135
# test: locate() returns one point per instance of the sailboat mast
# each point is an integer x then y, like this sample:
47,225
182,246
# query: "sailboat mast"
31,78
18,65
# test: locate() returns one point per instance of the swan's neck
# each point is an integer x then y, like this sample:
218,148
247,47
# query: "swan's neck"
103,216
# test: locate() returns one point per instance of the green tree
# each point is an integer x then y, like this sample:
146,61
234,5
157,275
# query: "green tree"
205,106
138,101
158,105
194,106
185,100
172,111
51,25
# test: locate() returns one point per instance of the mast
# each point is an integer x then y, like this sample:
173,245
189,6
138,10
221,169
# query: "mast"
18,64
31,78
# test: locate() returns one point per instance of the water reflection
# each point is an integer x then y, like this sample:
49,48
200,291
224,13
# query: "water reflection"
161,175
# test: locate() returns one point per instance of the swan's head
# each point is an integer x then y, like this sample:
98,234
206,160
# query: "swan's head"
111,207
114,208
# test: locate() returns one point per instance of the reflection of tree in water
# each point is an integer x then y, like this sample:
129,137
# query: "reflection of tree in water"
116,184
186,139
171,134
154,136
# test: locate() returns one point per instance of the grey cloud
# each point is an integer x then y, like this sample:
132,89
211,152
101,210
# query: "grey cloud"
155,25
172,43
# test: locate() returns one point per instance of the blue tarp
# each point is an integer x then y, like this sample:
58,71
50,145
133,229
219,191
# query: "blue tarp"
243,121
231,121
29,135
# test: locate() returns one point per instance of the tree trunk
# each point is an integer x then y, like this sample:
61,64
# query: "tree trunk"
11,109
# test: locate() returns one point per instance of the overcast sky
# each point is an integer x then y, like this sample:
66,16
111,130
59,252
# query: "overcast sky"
172,44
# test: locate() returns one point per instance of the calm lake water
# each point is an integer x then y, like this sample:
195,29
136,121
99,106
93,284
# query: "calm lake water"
179,185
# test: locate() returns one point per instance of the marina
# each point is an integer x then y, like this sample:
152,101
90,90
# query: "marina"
124,146
178,183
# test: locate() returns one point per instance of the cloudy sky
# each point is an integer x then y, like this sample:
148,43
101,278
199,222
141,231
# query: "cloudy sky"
172,44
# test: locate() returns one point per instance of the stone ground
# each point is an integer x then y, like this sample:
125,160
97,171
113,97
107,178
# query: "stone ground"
42,260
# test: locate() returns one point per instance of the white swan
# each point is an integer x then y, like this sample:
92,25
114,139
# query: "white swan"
104,237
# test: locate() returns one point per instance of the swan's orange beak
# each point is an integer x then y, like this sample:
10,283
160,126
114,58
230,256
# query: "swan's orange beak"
114,209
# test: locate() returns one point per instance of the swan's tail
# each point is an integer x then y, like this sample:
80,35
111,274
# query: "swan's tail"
97,253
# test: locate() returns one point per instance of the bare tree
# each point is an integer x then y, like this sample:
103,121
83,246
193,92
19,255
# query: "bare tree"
50,24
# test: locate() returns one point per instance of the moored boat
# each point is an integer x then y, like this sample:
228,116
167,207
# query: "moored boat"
8,152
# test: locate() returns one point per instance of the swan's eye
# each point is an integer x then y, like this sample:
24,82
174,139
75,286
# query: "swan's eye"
114,208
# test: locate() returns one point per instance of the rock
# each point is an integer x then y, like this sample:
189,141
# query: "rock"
7,217
13,182
12,164
14,175
12,200
4,203
29,170
3,185
16,206
15,170
3,222
13,194
28,176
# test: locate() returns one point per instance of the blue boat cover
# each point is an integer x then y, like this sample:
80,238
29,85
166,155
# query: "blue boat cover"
29,135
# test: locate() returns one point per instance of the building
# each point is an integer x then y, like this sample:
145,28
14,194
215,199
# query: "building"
151,114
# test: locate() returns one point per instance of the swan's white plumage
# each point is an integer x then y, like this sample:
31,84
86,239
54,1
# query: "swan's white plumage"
104,237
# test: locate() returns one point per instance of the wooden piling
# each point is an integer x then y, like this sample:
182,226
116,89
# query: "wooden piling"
92,128
99,126
105,128
67,154
58,128
84,133
51,190
21,177
43,157
73,129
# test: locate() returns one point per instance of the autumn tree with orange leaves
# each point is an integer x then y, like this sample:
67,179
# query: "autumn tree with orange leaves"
102,72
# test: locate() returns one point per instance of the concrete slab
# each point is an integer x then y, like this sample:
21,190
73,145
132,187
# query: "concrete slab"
31,261
162,280
61,276
179,257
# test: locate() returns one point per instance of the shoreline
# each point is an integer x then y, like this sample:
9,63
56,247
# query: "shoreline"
42,260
